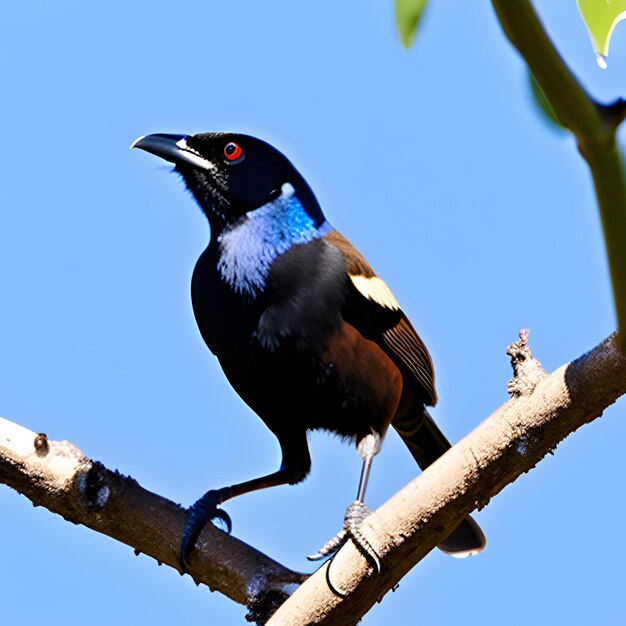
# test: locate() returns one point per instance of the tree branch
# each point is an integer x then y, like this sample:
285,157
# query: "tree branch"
58,476
543,411
594,126
510,442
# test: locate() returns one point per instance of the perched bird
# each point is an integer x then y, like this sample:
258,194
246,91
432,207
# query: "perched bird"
305,331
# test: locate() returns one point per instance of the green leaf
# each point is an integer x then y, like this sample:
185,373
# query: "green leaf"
601,17
541,100
408,14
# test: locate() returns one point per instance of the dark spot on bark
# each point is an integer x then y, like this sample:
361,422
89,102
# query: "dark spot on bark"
95,486
41,444
261,608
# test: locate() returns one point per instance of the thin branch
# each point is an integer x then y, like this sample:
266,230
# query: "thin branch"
594,126
58,476
510,442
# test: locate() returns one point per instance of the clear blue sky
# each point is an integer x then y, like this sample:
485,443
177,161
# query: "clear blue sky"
433,162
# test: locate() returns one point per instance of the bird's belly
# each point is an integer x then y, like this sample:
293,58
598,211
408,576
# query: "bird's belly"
341,390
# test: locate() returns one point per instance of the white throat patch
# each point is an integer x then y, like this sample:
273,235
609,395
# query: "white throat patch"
248,249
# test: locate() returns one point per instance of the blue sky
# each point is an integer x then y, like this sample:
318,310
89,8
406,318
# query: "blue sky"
434,162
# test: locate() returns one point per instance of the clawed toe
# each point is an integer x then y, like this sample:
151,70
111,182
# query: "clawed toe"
200,513
330,547
356,512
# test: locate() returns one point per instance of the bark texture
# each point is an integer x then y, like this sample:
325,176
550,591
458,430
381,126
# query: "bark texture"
58,476
507,444
542,411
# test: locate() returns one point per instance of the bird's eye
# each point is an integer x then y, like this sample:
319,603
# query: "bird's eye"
233,152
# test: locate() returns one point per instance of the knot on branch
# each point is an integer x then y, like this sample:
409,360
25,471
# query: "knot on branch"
266,596
94,486
261,608
527,370
41,444
265,603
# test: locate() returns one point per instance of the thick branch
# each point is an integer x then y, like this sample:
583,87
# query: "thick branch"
592,124
543,411
56,475
510,442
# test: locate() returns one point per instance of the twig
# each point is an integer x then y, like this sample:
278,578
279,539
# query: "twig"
593,126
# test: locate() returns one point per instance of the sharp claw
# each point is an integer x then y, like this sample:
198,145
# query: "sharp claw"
225,517
182,557
200,513
375,563
187,543
331,546
366,549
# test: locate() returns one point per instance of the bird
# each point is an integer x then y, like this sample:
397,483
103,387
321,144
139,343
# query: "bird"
305,331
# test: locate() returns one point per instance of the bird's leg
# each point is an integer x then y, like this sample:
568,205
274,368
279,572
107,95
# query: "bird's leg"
357,510
368,448
295,466
206,508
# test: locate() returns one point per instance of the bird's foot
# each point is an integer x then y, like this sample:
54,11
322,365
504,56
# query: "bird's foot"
331,546
356,512
200,513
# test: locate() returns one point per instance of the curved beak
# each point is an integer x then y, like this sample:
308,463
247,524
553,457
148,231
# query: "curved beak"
172,148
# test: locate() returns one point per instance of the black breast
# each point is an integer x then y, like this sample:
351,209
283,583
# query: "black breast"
226,320
305,295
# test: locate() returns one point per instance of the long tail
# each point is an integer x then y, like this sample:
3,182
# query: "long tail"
427,443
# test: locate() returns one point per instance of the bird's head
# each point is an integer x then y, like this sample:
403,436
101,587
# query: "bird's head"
230,174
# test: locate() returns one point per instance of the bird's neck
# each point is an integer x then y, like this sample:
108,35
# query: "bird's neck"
247,249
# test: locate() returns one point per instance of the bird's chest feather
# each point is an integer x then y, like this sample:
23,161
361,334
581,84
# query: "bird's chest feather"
267,282
248,249
272,347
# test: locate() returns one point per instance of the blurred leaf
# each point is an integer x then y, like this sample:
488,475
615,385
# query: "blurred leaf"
601,17
408,14
541,100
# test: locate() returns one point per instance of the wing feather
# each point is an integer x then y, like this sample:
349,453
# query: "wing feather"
374,311
407,345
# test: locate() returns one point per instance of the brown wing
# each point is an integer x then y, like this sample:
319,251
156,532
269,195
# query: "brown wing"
373,310
404,342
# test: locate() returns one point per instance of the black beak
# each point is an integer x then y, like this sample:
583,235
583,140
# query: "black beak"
172,148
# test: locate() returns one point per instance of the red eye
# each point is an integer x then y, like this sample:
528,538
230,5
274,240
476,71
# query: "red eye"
233,151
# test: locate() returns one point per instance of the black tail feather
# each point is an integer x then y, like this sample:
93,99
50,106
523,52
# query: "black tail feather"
427,443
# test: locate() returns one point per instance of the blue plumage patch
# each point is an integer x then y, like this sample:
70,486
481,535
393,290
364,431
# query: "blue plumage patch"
248,249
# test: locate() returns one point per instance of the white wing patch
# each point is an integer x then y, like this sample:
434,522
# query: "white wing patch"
375,289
